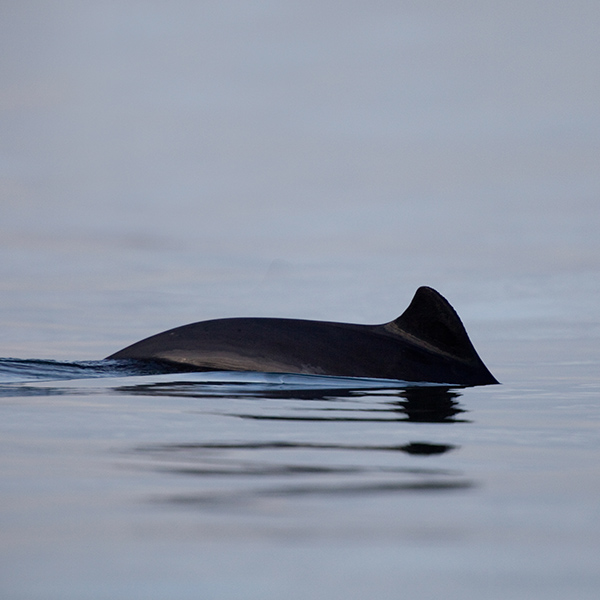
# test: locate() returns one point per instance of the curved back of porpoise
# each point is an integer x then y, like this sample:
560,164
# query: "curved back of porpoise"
428,342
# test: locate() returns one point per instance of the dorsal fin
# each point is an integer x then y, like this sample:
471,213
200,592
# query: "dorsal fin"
431,319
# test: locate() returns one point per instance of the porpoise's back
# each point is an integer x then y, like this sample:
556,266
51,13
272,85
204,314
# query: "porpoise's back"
428,342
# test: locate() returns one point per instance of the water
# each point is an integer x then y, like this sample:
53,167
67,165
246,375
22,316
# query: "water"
162,165
240,485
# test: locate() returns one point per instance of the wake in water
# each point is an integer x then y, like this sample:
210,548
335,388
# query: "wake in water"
397,400
15,370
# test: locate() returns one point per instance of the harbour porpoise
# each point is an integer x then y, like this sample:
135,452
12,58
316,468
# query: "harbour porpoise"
427,343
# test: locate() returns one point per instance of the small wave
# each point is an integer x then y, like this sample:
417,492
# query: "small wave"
16,370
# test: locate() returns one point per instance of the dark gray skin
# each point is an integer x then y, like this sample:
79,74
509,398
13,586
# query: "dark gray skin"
427,343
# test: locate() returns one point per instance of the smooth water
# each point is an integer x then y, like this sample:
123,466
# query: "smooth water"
246,485
164,164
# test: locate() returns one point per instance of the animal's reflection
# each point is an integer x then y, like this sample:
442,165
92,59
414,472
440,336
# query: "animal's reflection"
425,404
260,468
430,404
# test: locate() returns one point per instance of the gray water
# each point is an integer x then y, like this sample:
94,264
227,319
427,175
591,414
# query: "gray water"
167,163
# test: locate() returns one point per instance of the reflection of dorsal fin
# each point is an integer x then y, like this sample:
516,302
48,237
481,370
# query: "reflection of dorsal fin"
431,319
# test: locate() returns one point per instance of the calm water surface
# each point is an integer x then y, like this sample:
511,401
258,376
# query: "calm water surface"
254,485
161,165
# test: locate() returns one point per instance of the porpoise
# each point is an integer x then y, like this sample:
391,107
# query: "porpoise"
426,343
